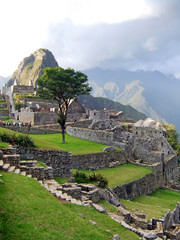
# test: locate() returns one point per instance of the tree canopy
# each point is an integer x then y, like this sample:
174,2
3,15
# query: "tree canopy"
62,85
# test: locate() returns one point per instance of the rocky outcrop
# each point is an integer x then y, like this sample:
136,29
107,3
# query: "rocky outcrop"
30,69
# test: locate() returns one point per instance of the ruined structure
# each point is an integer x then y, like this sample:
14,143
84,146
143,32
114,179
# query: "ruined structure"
144,145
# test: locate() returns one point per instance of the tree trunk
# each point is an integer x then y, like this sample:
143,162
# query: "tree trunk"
63,133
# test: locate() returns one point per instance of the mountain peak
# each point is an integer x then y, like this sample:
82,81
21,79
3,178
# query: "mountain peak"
30,69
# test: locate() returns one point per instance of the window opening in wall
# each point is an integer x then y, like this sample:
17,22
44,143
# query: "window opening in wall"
162,144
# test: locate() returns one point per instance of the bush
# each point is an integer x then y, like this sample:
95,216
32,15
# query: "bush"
103,182
24,141
20,140
81,177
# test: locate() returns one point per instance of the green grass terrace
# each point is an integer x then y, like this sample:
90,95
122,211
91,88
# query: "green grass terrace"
154,206
120,175
54,141
29,212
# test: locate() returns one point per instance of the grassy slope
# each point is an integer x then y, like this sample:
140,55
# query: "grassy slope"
29,212
155,205
121,174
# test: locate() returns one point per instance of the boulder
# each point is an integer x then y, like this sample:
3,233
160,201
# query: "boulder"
109,149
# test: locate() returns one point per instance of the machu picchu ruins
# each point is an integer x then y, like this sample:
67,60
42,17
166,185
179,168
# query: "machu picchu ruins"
141,143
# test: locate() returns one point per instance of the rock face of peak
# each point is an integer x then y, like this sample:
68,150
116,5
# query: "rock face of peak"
30,69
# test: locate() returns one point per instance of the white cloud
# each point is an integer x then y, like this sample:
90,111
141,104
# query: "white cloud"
150,44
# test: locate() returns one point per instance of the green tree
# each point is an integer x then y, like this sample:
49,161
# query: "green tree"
62,85
172,137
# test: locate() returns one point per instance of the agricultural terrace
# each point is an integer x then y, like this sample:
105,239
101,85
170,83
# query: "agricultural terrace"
53,141
30,212
120,175
156,205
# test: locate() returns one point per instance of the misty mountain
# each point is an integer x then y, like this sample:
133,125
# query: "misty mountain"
152,93
3,80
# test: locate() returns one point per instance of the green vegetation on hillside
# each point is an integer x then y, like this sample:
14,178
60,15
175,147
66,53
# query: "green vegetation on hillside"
173,137
156,205
120,175
30,212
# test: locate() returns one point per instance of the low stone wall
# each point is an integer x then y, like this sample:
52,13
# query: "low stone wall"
91,135
98,160
143,186
61,162
99,136
171,169
4,113
33,130
162,174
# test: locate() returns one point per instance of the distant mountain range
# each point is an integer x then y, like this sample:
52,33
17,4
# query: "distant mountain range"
90,102
151,93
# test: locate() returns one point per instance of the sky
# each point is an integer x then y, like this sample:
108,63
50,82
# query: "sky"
83,34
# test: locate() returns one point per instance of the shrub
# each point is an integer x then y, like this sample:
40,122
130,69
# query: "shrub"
81,177
24,141
20,140
103,182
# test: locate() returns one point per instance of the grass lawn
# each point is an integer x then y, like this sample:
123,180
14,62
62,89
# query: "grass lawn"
3,145
122,174
74,145
29,212
156,205
54,141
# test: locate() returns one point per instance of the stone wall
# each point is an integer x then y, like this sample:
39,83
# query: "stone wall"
99,136
22,89
149,150
45,118
33,130
99,115
91,135
37,118
143,186
61,162
144,132
4,113
162,174
26,115
171,170
98,160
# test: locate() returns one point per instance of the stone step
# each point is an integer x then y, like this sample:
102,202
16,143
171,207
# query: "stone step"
29,175
63,196
6,166
23,173
87,203
73,200
8,151
78,202
17,171
11,169
58,193
1,164
68,198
